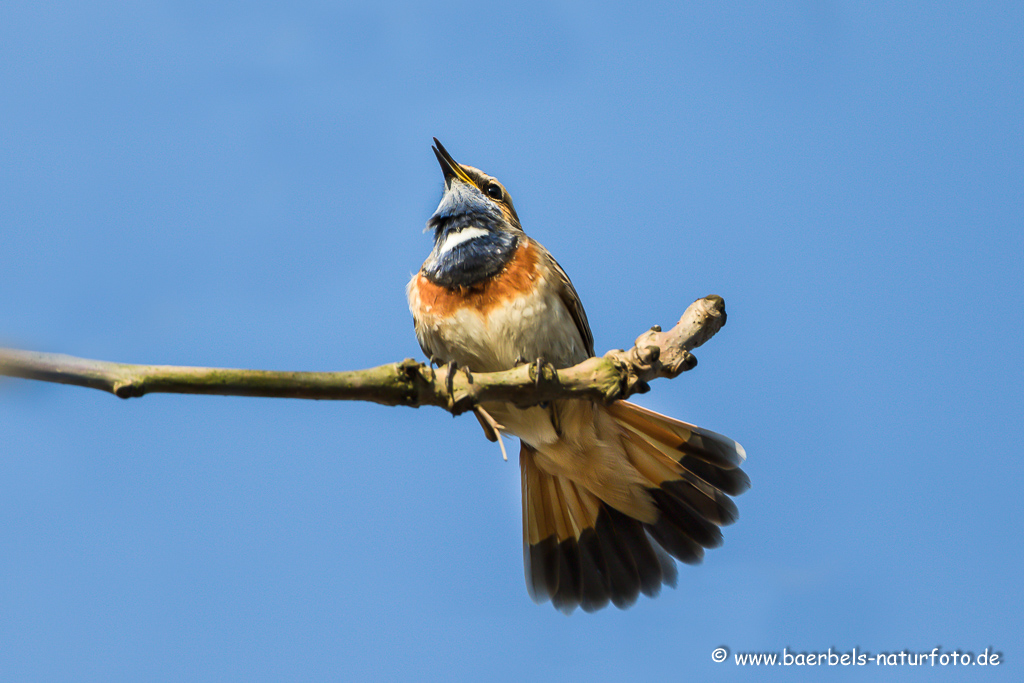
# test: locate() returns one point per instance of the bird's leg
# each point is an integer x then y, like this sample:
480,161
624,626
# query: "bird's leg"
449,380
431,362
538,376
536,369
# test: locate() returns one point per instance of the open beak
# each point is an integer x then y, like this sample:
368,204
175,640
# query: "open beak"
449,166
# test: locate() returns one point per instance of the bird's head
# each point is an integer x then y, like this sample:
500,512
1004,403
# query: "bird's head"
475,226
471,197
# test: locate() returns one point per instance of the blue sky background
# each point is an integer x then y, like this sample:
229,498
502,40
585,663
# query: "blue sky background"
245,184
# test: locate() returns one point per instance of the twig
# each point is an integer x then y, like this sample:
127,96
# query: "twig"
492,430
616,375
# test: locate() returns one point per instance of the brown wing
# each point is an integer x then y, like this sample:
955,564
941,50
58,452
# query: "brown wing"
572,302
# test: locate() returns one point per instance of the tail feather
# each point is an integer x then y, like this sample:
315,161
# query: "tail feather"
624,578
732,482
677,543
540,537
594,581
654,566
669,572
654,461
580,551
710,503
703,444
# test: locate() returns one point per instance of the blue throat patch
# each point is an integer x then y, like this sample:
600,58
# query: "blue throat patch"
488,245
467,263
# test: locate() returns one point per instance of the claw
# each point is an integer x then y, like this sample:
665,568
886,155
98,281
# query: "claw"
449,380
540,373
546,405
539,376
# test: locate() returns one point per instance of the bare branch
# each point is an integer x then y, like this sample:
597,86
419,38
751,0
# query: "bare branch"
616,375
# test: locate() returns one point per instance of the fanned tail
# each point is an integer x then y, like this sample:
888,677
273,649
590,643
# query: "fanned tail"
580,551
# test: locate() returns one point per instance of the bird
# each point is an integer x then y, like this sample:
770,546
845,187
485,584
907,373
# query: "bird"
610,493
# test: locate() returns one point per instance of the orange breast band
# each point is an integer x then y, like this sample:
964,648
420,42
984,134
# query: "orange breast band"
516,278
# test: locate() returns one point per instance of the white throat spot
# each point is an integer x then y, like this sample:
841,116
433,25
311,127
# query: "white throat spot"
454,239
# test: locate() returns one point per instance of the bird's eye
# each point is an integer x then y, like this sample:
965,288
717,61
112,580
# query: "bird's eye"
494,191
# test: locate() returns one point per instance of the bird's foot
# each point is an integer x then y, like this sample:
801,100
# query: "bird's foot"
537,373
449,380
538,377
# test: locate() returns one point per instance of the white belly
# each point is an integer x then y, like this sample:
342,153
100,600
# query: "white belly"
535,325
524,328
